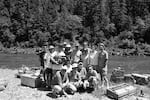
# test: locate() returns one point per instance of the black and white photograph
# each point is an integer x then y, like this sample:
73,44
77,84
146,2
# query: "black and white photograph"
74,49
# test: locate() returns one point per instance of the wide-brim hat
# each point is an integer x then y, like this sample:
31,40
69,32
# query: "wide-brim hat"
75,65
68,46
65,43
80,63
51,47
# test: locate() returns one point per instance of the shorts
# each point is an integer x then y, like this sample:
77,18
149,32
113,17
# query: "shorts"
102,72
48,71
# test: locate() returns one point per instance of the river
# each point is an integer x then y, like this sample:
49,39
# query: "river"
130,64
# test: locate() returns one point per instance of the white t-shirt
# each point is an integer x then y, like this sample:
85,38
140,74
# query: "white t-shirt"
47,60
93,58
76,56
56,55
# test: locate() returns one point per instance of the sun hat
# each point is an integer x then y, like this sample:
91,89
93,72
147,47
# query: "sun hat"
68,45
51,47
75,65
80,63
65,43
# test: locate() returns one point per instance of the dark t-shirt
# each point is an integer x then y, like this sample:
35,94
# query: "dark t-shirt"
41,57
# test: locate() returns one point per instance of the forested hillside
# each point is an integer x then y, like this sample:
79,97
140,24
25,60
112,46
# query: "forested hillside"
119,23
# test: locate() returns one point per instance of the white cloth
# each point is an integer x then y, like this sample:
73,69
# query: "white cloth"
56,55
93,58
76,56
47,63
69,68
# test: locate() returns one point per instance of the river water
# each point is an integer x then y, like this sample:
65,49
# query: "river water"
130,64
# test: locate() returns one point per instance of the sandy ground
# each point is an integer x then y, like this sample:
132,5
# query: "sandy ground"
15,91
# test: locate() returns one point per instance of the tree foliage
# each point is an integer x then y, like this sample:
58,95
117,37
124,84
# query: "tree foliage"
30,23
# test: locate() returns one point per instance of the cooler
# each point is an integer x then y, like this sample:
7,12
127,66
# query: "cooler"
120,91
30,80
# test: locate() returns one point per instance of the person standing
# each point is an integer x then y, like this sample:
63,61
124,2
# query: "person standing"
48,66
41,52
82,71
58,57
74,79
102,64
68,52
76,54
84,58
91,80
60,82
93,57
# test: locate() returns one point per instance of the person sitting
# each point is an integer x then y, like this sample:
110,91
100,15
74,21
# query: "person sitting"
91,80
82,71
74,78
69,66
59,82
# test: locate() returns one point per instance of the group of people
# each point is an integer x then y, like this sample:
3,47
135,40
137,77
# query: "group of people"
68,68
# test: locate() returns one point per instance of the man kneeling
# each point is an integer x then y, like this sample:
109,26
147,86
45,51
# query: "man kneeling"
91,80
60,83
74,78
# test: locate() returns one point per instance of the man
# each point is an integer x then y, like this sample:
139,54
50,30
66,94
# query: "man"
102,64
91,80
58,57
93,57
76,54
48,66
60,81
69,66
74,79
86,46
41,53
68,52
82,71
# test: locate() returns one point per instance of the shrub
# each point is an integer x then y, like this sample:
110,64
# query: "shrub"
127,44
146,47
126,35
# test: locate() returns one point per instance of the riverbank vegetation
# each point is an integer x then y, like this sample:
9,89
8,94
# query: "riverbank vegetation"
123,25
